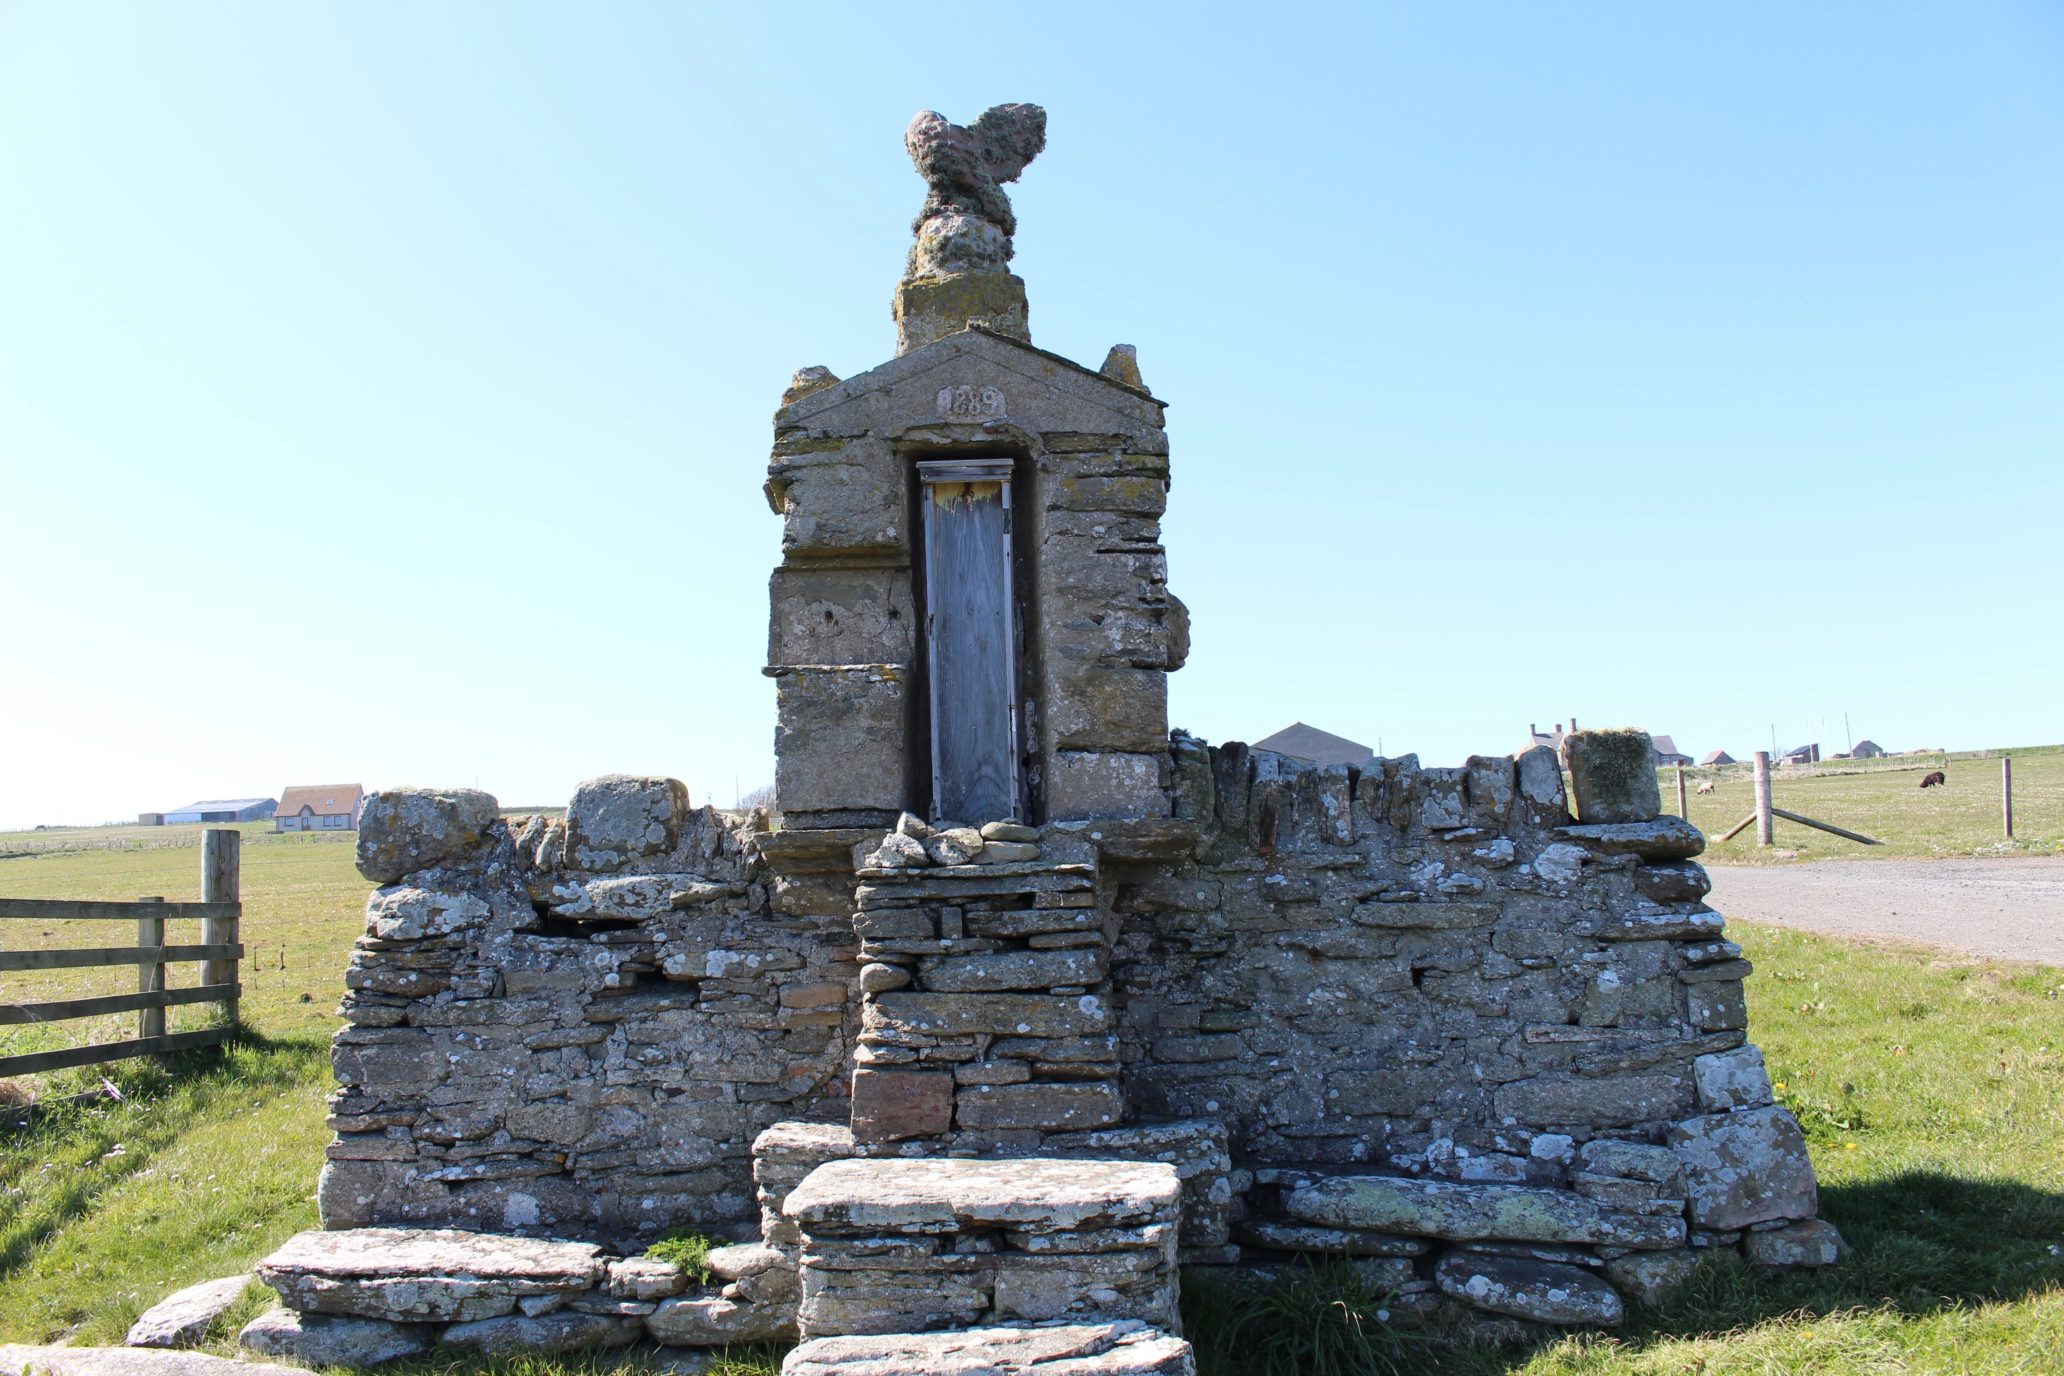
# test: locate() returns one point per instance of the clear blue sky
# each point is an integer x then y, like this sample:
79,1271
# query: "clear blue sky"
384,389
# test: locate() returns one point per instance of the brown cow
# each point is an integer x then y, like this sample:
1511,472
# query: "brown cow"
1937,777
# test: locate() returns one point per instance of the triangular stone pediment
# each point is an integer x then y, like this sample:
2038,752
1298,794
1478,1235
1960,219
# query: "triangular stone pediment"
976,376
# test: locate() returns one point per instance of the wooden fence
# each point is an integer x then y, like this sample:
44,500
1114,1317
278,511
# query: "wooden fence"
220,912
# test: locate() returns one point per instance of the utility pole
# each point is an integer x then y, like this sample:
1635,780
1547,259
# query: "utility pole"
1848,735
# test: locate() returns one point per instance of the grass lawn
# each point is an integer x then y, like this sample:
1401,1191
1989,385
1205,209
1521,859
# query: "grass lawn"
1932,1091
1883,799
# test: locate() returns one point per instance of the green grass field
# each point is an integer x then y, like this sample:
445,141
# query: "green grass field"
1883,799
1932,1091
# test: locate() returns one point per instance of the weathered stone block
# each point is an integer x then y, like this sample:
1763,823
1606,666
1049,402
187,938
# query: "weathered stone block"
621,817
959,1015
893,1104
1732,1079
1665,838
1081,785
1006,970
844,499
328,1340
1441,1208
520,1335
1613,775
1612,1101
1674,882
1094,706
181,1319
1809,1242
1123,1348
873,1198
1650,1278
1542,1291
717,1322
434,1275
1717,1007
402,830
840,616
840,738
1049,1106
1743,1168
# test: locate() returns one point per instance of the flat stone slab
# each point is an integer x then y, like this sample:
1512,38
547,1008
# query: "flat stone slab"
414,1275
333,1340
181,1319
1124,1348
946,1195
1468,1213
1542,1291
21,1360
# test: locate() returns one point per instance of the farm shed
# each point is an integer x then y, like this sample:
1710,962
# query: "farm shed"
319,807
1718,757
1666,752
222,810
150,819
1308,743
1868,750
1804,754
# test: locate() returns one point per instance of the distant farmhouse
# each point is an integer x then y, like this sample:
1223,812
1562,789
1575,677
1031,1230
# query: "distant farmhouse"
1666,751
1868,750
221,810
1804,754
1718,757
319,807
1301,742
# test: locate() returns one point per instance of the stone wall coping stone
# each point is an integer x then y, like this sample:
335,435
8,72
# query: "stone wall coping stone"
1124,1348
944,1193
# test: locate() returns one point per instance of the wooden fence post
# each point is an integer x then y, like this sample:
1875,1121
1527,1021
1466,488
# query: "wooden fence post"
2007,792
1766,828
150,975
1683,809
222,882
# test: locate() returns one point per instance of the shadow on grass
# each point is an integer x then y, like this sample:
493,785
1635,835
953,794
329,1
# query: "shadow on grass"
59,1156
1919,1242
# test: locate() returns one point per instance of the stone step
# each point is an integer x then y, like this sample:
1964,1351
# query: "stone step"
20,1360
1124,1348
1041,1195
434,1275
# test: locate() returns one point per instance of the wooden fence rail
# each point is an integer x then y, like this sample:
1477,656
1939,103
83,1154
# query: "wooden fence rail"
220,913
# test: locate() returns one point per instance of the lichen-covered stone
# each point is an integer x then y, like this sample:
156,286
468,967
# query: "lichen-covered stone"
403,830
181,1319
331,1340
1034,1195
1124,1348
515,1335
1651,1278
425,1275
717,1322
1447,1209
1540,1291
1809,1242
1743,1168
1732,1079
622,817
1613,776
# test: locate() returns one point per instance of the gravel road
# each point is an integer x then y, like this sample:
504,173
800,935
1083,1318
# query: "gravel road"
2003,909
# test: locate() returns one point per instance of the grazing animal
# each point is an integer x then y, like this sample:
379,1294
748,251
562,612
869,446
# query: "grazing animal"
1934,778
1705,786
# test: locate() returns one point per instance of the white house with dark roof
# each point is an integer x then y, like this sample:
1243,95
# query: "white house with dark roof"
1301,742
319,807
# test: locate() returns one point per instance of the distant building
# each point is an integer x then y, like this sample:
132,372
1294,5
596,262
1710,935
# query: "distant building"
222,810
1868,750
1666,751
1718,757
1552,739
1804,754
150,819
1308,743
319,807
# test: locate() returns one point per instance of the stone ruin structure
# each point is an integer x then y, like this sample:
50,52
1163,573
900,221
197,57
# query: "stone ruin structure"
1025,1003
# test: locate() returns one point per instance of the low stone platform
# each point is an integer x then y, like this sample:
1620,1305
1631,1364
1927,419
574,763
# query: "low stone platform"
22,1360
911,1246
1126,1348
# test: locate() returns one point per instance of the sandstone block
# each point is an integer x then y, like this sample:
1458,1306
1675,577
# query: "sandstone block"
1613,775
1743,1168
520,1335
719,1322
1605,1101
1538,775
944,1194
621,817
839,738
1632,1161
1665,838
1440,1208
324,1340
1679,881
1121,1348
1544,1292
1311,1237
1650,1278
181,1319
840,616
1809,1242
422,1274
1050,1106
402,830
1012,970
893,1104
1732,1079
406,913
1083,785
960,1015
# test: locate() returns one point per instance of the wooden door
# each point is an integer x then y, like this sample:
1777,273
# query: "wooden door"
970,639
